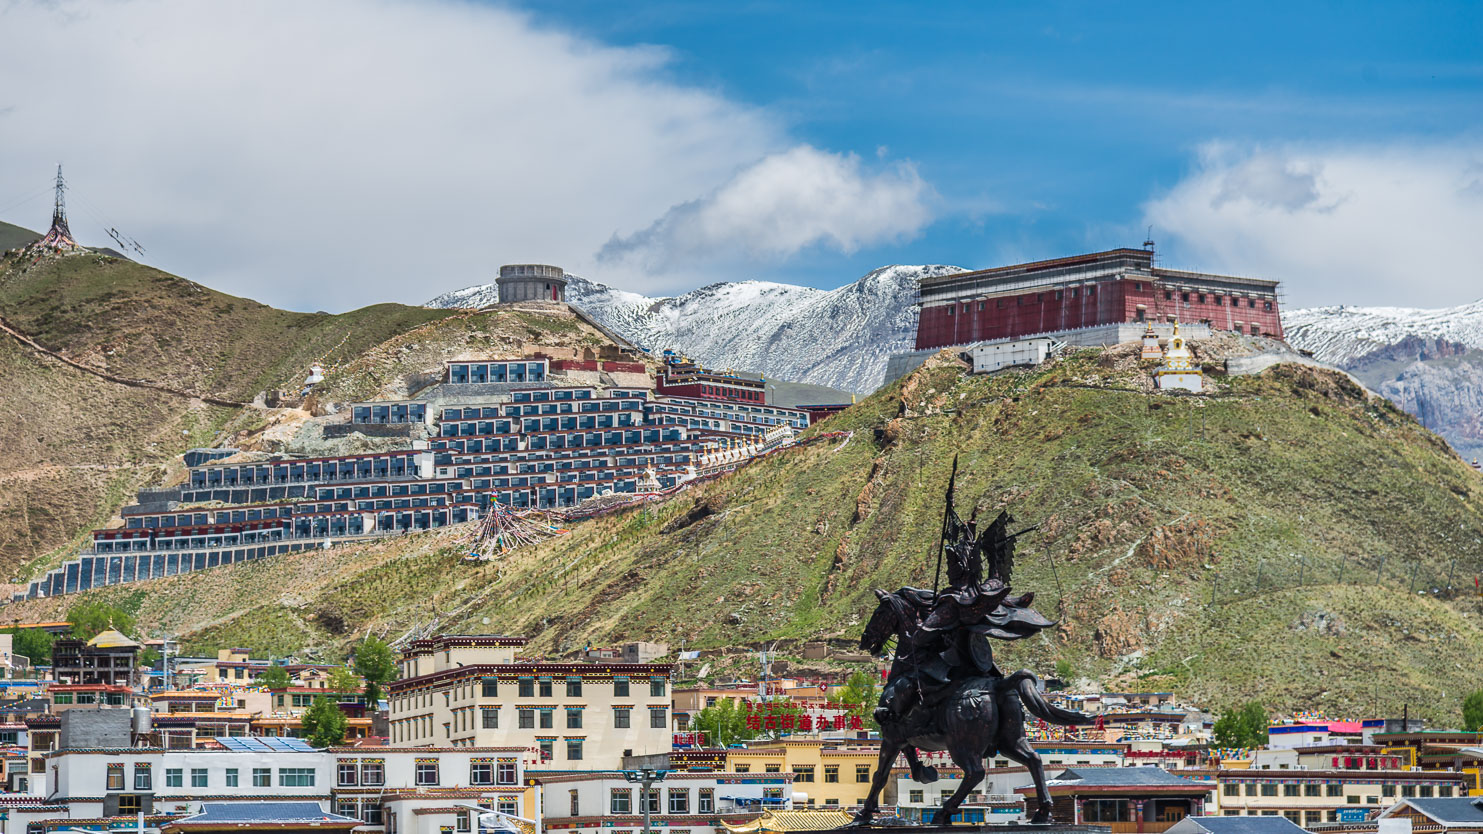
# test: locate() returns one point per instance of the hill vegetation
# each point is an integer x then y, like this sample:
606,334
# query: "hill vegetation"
1288,536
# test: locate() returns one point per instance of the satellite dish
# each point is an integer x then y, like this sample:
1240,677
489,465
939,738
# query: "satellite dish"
703,670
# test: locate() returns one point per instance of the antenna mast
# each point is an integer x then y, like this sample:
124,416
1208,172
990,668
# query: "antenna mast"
59,237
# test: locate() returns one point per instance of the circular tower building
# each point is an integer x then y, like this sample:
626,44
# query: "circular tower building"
531,282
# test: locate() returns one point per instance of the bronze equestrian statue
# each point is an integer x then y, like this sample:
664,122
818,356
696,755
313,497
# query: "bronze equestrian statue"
944,692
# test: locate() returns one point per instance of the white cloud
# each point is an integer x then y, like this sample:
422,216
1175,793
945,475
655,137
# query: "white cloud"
340,152
1337,225
781,205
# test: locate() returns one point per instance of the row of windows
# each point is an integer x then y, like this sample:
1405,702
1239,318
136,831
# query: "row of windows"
354,773
110,698
1217,300
1333,789
262,777
620,801
805,773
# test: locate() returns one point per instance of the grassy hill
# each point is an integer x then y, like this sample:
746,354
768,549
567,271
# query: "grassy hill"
78,445
1288,537
13,237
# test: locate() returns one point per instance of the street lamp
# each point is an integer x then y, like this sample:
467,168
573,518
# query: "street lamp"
488,819
645,777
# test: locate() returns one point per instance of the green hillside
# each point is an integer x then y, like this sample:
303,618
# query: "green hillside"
1288,537
77,445
12,237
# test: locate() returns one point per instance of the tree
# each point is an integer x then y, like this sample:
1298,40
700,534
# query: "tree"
373,662
31,643
324,723
273,677
1244,727
1472,711
344,680
724,723
89,618
860,694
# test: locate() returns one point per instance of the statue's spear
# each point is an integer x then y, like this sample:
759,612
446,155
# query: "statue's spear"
942,535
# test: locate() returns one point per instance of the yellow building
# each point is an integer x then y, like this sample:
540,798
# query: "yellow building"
1309,797
831,772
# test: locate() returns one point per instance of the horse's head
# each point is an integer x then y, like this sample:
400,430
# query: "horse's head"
884,624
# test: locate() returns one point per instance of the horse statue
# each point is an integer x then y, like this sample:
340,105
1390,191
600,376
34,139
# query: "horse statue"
973,716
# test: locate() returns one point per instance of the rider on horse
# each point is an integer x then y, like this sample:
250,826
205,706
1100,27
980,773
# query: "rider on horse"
952,641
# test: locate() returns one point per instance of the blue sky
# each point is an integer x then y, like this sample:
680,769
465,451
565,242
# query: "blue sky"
1045,128
339,153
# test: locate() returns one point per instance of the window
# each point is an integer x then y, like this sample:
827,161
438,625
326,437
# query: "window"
831,773
656,687
115,777
174,777
1292,815
372,774
916,796
573,687
371,813
862,773
232,780
262,777
1269,789
489,688
705,803
295,777
1312,789
653,800
803,773
772,768
573,719
527,719
1444,790
620,802
461,821
620,687
1408,790
527,688
545,687
505,773
1289,790
481,772
489,717
347,773
507,806
1426,791
547,747
679,800
1387,790
620,718
130,804
427,772
142,780
1334,790
656,718
574,749
547,719
1231,790
1352,800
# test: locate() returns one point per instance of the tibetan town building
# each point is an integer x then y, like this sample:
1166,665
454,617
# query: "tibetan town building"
1102,290
1309,797
472,691
682,376
1136,800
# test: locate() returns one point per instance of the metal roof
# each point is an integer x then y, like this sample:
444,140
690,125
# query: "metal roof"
1126,777
1236,825
1458,810
264,812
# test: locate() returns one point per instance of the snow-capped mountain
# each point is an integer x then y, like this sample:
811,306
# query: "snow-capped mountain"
1428,362
840,338
1339,335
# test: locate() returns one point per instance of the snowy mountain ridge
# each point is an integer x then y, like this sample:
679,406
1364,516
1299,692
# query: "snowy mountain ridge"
840,338
1340,335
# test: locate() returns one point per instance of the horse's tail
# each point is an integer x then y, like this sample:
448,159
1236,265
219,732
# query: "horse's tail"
1027,685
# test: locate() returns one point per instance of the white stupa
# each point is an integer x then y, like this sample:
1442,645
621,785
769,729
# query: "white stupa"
1179,371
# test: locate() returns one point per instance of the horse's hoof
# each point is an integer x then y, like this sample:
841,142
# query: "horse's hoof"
927,776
